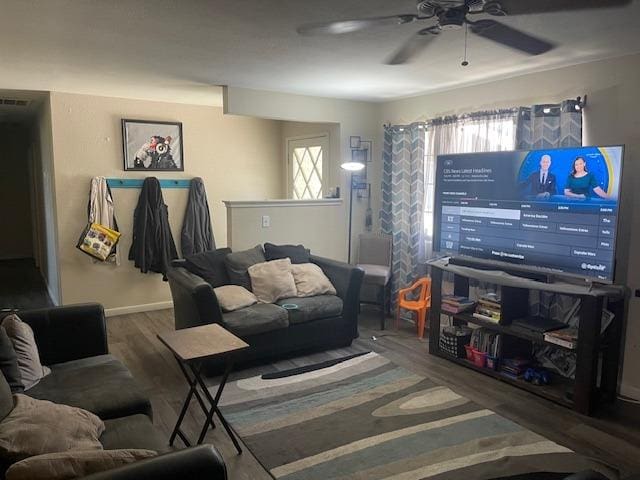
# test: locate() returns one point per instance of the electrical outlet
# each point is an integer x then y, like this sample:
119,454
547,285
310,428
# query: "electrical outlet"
266,221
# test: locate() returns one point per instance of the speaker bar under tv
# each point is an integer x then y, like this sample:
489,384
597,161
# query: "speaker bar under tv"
551,210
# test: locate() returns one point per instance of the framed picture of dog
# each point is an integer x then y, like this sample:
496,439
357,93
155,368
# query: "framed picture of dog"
152,146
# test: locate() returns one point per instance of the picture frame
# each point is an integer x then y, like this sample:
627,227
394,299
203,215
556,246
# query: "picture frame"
366,145
354,142
360,155
152,146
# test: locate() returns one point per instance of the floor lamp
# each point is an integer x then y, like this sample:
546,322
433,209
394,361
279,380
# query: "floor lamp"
351,167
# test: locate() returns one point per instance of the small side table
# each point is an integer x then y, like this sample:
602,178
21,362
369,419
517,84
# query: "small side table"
191,347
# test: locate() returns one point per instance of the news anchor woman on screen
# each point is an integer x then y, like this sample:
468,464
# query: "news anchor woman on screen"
581,183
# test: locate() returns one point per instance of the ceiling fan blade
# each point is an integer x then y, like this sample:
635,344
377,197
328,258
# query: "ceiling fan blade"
413,46
523,7
348,26
501,33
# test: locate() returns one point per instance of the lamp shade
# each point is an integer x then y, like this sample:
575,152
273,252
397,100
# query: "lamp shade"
352,166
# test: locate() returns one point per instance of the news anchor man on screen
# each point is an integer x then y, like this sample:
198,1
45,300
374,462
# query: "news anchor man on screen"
581,183
542,183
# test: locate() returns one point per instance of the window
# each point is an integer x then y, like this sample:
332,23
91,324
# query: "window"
307,163
473,133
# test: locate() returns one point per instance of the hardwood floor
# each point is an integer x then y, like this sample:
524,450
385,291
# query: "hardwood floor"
614,437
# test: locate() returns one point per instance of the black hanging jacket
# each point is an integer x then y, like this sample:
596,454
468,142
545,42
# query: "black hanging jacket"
152,248
197,235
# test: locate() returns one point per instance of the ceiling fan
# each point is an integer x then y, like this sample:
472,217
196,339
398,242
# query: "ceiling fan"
454,15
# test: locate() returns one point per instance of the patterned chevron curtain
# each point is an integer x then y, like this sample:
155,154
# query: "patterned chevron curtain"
402,214
549,126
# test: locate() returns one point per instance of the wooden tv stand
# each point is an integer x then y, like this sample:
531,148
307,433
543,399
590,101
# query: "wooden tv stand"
597,356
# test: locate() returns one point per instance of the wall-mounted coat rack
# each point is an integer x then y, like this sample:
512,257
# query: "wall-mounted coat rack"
137,183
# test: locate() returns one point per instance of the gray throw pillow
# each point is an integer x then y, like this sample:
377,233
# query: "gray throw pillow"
24,343
210,266
238,264
297,253
9,363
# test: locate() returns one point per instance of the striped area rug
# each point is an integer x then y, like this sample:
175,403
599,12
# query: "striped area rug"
366,418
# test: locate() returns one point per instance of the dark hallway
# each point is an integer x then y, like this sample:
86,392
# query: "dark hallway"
22,286
23,249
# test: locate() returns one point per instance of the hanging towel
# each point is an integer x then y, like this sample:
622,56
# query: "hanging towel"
197,235
101,210
152,248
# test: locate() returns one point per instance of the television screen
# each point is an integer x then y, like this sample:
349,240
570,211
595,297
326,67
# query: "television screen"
553,209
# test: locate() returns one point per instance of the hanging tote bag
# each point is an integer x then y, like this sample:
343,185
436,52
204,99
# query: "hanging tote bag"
98,241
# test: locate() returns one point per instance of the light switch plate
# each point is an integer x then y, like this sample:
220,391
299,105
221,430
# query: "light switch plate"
266,221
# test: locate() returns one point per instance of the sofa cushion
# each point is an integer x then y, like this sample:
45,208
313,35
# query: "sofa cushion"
9,363
375,274
258,318
272,280
100,384
210,266
238,263
313,308
234,297
133,431
296,253
74,464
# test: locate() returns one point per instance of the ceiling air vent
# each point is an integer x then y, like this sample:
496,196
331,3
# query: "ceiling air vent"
14,102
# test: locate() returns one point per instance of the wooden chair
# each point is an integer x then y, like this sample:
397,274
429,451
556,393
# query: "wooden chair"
421,305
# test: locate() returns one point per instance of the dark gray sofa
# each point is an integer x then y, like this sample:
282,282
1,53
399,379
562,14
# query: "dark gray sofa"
72,341
324,321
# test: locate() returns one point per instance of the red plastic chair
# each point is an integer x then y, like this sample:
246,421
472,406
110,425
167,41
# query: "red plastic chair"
421,305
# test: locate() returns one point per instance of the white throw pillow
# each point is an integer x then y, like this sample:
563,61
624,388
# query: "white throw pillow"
234,297
24,343
311,280
271,281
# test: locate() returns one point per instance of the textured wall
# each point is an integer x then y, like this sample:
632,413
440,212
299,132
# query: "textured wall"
239,158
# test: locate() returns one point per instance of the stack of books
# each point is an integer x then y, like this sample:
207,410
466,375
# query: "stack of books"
456,304
487,341
489,308
567,337
514,367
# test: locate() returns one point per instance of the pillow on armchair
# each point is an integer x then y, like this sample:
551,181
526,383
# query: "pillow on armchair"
24,344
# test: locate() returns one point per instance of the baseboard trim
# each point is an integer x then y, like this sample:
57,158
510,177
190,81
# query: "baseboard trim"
629,391
145,307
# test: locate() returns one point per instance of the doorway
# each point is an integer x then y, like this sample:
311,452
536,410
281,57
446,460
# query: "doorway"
22,283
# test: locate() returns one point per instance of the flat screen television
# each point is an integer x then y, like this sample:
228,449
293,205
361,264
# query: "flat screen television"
553,210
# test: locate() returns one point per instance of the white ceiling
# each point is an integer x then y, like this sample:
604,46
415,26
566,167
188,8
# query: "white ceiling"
178,49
